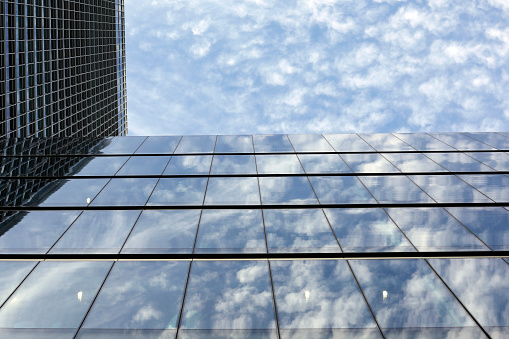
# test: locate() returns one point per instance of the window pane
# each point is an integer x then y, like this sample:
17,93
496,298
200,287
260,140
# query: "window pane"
121,145
198,165
494,186
368,163
289,190
231,231
385,142
159,145
448,188
299,230
458,162
171,231
72,192
179,191
196,144
492,139
341,190
348,143
433,229
395,189
99,166
323,163
13,272
145,165
272,143
498,161
132,192
233,164
309,143
97,232
139,299
227,299
278,164
413,162
232,191
320,299
234,144
366,230
423,142
460,141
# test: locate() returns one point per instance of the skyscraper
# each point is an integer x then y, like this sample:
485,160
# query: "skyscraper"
264,236
62,68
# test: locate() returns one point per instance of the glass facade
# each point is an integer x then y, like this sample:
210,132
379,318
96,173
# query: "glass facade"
62,68
266,236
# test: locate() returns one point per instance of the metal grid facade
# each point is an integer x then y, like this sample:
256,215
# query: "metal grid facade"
62,68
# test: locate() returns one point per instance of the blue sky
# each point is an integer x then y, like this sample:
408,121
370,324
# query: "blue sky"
316,66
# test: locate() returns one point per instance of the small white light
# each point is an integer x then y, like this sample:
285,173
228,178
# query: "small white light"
306,294
385,294
88,200
80,295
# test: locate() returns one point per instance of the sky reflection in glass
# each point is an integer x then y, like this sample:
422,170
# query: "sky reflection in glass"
383,142
178,191
494,186
272,143
159,145
458,162
348,143
128,191
196,144
72,192
395,189
286,190
448,188
498,161
99,166
233,164
309,143
189,165
413,162
232,191
146,165
423,142
278,164
368,163
341,190
234,144
323,163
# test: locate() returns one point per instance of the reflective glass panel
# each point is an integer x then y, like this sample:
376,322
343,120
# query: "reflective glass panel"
481,285
13,272
35,231
385,142
395,189
129,191
179,191
368,163
410,301
348,143
159,145
288,190
366,230
196,144
146,165
297,230
234,144
272,143
323,163
320,299
99,166
494,186
423,142
413,162
460,141
139,299
310,143
189,165
233,164
97,232
495,160
490,224
56,296
458,162
231,231
341,190
228,299
232,191
120,145
448,188
278,164
493,139
72,192
433,229
170,231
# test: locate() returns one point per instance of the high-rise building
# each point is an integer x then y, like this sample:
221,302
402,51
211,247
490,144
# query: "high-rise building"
62,68
263,236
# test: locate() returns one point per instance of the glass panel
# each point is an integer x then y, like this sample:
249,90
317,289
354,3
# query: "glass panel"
272,143
228,299
198,165
131,192
146,165
482,288
494,186
423,142
341,190
34,232
232,191
433,229
72,192
289,190
234,144
492,139
366,230
52,290
231,231
171,231
395,189
278,164
488,223
460,141
409,300
458,162
120,145
309,143
348,143
298,230
368,163
97,232
159,145
498,161
178,191
323,163
99,166
385,142
233,164
13,273
320,299
413,162
196,144
136,298
448,188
